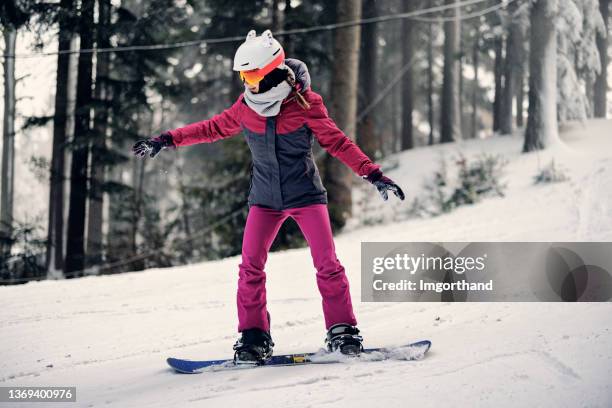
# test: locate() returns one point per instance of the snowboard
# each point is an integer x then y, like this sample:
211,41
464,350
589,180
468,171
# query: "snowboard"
412,351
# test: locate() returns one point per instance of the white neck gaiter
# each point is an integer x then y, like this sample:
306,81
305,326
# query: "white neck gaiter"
268,103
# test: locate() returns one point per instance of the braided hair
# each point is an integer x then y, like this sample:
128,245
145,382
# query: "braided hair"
298,96
278,75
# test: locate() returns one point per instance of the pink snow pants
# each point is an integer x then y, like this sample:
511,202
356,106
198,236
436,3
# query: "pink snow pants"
261,228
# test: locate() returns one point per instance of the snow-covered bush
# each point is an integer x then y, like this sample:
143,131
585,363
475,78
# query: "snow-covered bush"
478,179
550,174
475,179
26,261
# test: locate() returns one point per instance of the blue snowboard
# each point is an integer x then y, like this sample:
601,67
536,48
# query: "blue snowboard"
412,351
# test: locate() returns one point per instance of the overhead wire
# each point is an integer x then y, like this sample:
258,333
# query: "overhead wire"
468,16
304,30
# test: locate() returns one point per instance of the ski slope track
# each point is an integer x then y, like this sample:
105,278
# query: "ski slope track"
110,335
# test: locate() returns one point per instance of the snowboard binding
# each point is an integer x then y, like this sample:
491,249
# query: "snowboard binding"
253,348
345,338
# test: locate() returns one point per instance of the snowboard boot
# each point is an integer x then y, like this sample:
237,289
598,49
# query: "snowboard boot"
254,346
345,338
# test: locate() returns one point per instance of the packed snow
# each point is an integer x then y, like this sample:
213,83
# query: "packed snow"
110,335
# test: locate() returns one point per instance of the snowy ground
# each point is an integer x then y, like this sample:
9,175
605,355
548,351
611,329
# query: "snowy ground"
109,335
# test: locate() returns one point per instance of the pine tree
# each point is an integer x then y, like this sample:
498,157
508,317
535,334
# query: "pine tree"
408,50
600,86
450,112
511,64
55,226
8,142
75,244
98,147
367,135
343,108
541,130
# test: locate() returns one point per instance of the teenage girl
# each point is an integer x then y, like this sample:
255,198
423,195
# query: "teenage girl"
280,116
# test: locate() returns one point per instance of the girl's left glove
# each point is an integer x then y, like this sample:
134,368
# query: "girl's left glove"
153,145
383,184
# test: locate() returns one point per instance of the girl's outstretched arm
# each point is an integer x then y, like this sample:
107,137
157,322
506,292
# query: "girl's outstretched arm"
339,145
220,126
334,140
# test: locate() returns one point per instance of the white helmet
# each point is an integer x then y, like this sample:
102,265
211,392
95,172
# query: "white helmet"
259,54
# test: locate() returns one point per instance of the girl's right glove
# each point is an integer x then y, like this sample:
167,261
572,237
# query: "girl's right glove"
153,145
383,184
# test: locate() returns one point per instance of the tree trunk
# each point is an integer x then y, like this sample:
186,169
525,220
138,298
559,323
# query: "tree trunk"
138,186
120,208
8,144
277,16
600,88
511,63
450,120
396,117
55,228
366,136
75,251
185,211
288,15
396,138
541,128
408,32
520,77
476,90
430,84
520,99
498,73
460,63
343,108
97,176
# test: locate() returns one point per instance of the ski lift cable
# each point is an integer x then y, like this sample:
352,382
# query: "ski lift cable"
305,30
467,16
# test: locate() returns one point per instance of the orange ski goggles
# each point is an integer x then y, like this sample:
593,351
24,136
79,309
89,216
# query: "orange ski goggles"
251,77
254,76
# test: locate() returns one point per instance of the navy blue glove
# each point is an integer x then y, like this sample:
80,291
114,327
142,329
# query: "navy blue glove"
383,184
153,145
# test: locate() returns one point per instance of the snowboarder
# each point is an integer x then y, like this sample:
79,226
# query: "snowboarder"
279,115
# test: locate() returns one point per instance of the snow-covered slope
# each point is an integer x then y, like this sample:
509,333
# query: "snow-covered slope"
110,335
